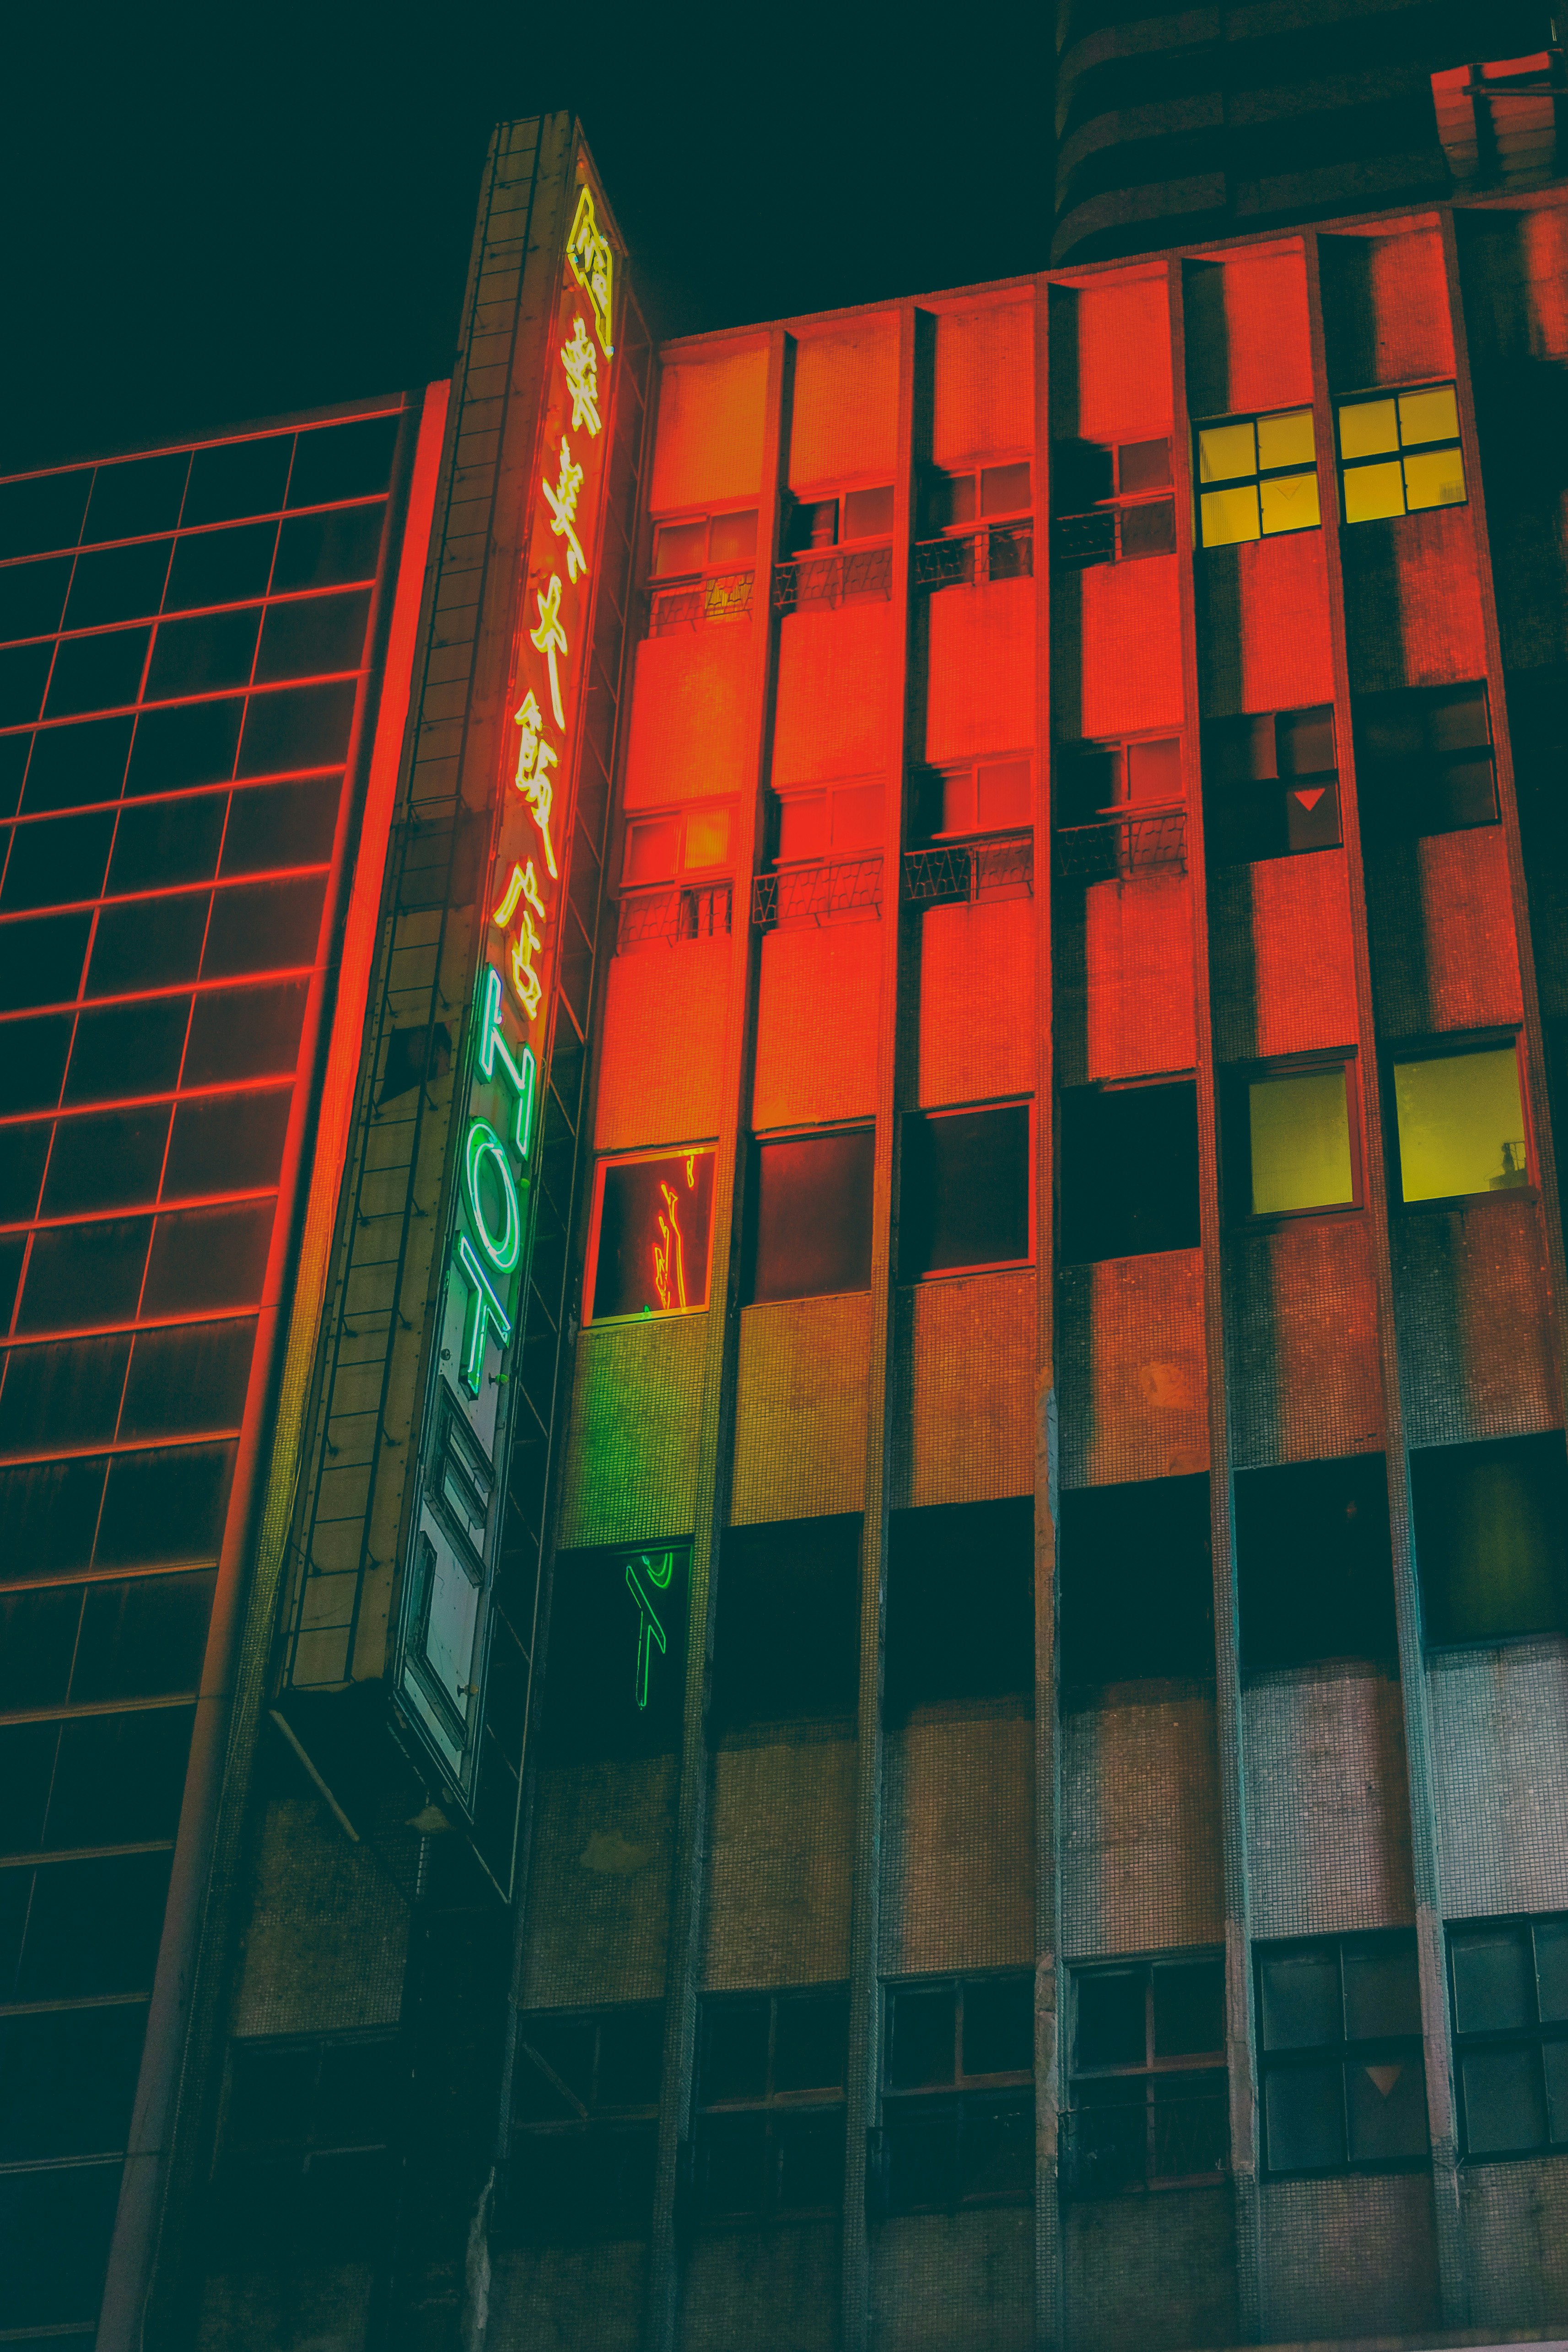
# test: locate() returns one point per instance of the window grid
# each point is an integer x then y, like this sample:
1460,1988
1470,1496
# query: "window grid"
1257,476
1342,2072
1509,1985
1400,452
769,2142
958,2107
1148,2101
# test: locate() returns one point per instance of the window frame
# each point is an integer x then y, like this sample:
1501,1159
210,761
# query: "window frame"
1507,2037
1238,1079
1447,1046
936,479
658,582
625,2123
680,874
1256,477
1114,509
602,1163
793,501
966,2097
980,1266
1220,795
1153,2069
1340,2053
827,788
810,1131
773,2106
931,784
1396,393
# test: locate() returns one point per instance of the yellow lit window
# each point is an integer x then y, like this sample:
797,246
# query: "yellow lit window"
1400,453
1257,476
1461,1124
1301,1135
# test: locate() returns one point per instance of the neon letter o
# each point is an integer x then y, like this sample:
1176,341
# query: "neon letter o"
483,1141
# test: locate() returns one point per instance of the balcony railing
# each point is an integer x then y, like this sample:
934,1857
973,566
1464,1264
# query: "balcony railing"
723,598
667,919
969,871
817,893
998,551
1152,841
1109,2151
833,577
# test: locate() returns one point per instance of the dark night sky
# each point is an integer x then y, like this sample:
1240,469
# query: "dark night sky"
214,215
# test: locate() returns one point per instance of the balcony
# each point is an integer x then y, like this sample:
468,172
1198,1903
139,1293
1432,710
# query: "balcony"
669,919
963,872
725,597
1004,551
1119,848
837,576
827,893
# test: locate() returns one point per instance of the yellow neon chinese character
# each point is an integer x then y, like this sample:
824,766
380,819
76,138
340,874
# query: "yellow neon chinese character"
582,366
525,979
535,759
563,504
524,884
551,639
593,266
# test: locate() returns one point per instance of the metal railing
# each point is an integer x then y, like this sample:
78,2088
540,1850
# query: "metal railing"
969,871
655,918
723,598
1113,534
1117,848
998,550
833,577
817,893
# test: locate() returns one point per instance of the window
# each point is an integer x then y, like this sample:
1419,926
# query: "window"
1129,1171
958,2102
649,1247
685,841
1339,2034
308,2125
788,1621
1400,452
1147,2101
829,820
965,1197
1121,808
811,1214
770,2098
960,1602
1489,1537
814,525
981,796
1111,504
1314,1572
1423,761
1460,1122
1510,2034
708,543
1137,1583
617,1662
584,2111
1301,1140
958,502
1259,477
1270,785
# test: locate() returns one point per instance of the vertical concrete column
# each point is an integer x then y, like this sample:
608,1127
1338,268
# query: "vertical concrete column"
1241,2058
1050,2087
716,1423
1423,1855
865,1919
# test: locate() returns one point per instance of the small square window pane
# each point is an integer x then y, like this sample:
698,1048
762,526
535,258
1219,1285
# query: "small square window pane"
1230,516
653,850
1461,1127
1428,415
997,2154
1142,465
631,2049
1002,794
1551,1968
958,803
1368,427
1148,530
1387,2106
1004,489
1304,2107
951,501
1301,1143
706,838
999,2025
1289,503
1305,740
1286,440
735,2165
1433,477
1189,2010
1373,491
1554,2055
812,1209
1192,2126
868,514
802,827
731,539
1492,1989
735,2051
810,2039
679,547
1383,1991
857,817
1226,451
921,2038
1155,770
1111,2018
809,2162
1505,2100
1301,1999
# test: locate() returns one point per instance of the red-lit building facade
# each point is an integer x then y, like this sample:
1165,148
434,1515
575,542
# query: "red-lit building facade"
892,1619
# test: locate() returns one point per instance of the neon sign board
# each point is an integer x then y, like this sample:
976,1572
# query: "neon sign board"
489,1244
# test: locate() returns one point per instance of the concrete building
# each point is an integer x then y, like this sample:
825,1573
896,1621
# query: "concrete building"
890,1635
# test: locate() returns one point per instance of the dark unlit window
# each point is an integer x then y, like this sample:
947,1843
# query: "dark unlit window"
309,2128
965,1196
958,502
1137,1585
1129,1171
769,2094
1461,1123
958,2106
1423,761
830,821
1511,2028
1270,785
1344,2088
814,525
1313,1564
961,1602
982,796
584,2122
787,1596
1148,2105
1491,1536
812,1214
651,1240
1111,503
1301,1141
707,543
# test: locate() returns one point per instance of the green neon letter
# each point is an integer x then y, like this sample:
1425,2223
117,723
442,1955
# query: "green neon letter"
485,1314
522,1073
649,1630
502,1249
